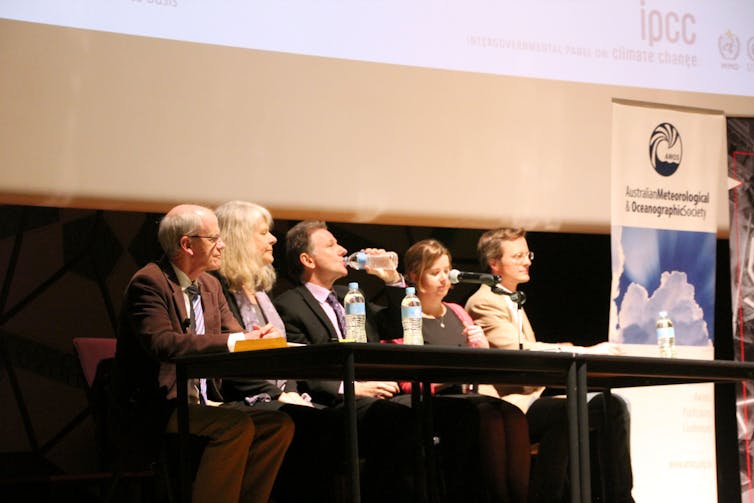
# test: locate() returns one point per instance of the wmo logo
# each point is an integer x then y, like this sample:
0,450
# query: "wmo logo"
665,149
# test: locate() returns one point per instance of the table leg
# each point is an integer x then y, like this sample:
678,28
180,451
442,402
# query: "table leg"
184,477
584,457
352,438
432,477
420,447
572,392
606,445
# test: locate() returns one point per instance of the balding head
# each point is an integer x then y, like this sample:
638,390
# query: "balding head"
183,220
190,237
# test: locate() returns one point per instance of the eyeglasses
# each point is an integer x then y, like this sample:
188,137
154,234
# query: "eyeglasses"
211,239
522,256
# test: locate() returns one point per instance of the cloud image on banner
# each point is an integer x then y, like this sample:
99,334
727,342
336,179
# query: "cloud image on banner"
661,270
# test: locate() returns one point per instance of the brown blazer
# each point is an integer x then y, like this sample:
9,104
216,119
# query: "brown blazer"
153,329
490,311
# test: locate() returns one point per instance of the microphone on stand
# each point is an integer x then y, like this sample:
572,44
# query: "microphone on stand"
518,298
457,276
491,280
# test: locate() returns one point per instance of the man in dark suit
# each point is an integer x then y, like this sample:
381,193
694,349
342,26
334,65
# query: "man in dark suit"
316,260
172,308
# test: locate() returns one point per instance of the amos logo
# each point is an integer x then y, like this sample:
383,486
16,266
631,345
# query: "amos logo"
665,149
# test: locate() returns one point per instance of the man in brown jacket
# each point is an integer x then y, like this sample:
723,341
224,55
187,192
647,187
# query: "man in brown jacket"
172,308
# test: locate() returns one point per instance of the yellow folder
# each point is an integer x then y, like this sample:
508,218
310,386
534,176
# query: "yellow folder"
254,344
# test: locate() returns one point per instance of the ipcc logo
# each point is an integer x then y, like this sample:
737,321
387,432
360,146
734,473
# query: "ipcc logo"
665,149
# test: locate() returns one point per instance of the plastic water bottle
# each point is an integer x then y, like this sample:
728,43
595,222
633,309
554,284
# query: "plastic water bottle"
356,314
665,335
411,317
360,261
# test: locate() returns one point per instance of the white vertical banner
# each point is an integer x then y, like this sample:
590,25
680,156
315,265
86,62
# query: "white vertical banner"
667,174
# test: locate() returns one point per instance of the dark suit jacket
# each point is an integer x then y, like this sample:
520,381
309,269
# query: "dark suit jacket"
307,323
152,330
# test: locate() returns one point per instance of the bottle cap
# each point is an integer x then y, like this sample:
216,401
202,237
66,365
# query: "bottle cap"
361,258
410,290
663,314
353,285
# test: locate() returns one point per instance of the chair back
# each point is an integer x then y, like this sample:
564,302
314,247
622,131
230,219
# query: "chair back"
96,357
91,351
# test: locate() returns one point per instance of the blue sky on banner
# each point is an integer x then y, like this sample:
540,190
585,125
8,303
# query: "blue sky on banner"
666,270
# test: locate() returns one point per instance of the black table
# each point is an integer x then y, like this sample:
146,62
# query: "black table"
575,373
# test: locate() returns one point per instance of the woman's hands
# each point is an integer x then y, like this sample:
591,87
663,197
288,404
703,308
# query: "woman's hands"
376,389
475,336
266,332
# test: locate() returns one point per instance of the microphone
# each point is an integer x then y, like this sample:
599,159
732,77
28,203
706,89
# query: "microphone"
457,276
185,324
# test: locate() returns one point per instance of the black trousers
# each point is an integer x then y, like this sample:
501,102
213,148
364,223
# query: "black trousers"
312,465
457,469
609,424
387,442
317,460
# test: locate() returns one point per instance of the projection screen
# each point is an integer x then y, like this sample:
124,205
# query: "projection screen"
458,114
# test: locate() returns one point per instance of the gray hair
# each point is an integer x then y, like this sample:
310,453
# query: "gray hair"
175,225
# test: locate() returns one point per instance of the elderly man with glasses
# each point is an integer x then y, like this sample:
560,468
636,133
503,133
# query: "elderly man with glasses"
173,307
499,311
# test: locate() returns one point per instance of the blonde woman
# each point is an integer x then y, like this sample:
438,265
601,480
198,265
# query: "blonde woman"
246,275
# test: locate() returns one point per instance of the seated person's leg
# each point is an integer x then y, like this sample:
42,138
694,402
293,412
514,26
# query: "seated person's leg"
517,450
274,431
224,461
457,423
610,423
387,441
505,448
548,425
314,461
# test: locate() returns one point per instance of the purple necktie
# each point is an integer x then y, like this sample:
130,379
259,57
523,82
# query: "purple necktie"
332,299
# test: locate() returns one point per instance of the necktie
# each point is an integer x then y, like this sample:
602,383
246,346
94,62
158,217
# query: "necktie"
196,326
332,299
196,315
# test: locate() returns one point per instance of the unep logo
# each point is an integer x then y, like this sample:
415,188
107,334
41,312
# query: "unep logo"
665,149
